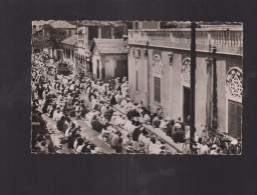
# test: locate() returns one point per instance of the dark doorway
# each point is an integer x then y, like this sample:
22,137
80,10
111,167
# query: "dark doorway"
186,106
121,68
90,67
92,32
97,69
234,119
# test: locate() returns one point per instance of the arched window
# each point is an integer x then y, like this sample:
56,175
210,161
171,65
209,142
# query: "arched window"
234,82
185,72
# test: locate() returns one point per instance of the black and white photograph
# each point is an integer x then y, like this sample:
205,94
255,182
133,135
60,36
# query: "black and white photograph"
136,87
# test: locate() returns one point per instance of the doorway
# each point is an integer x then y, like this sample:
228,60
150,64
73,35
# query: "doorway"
98,69
121,68
234,118
186,103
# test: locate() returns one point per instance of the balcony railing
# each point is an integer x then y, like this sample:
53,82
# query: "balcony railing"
227,40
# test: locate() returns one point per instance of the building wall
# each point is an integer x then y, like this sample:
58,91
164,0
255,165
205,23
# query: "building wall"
83,37
201,90
95,57
108,64
138,64
172,97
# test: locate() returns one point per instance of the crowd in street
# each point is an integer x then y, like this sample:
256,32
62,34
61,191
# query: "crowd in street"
61,99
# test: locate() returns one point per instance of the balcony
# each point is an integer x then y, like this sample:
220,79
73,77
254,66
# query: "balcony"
227,39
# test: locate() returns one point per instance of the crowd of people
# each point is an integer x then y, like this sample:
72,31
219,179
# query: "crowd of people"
108,110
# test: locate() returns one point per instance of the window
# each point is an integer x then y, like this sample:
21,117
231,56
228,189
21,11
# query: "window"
235,82
170,58
106,32
137,88
137,53
136,25
157,89
70,32
67,53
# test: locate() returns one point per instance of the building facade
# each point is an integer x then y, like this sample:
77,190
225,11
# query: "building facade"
87,31
109,58
38,31
69,46
159,74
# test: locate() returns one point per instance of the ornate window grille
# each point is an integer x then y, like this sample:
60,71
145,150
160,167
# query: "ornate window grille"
234,81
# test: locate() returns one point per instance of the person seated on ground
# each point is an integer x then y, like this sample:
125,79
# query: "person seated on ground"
78,144
72,86
95,104
84,110
93,148
78,114
178,121
164,124
103,120
146,116
106,132
118,97
132,113
73,136
203,148
156,121
106,88
144,137
88,88
60,123
70,129
178,133
91,95
57,114
214,150
116,144
121,119
103,108
52,109
124,102
77,106
43,147
96,125
128,106
86,148
137,131
113,100
124,80
169,128
129,126
114,117
154,147
108,113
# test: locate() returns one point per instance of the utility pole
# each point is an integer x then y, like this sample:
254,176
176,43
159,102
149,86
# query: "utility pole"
192,86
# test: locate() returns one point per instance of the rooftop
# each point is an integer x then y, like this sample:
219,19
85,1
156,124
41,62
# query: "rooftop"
111,45
61,24
101,23
71,40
